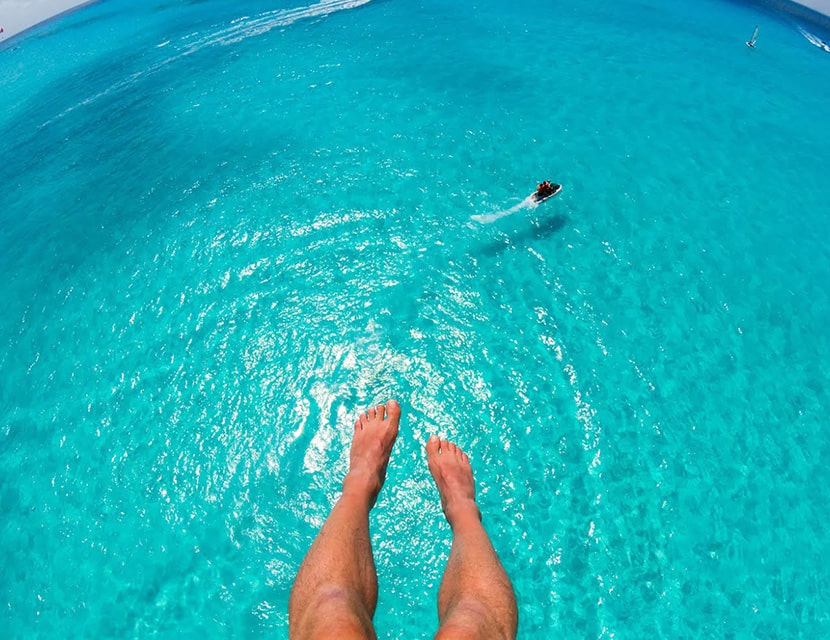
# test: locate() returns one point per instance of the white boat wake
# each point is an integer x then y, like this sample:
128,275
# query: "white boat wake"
247,27
239,30
487,218
814,40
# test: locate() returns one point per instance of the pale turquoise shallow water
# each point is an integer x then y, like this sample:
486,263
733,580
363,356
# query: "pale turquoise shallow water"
228,227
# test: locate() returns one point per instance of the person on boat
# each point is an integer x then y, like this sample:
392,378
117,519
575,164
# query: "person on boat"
335,592
544,189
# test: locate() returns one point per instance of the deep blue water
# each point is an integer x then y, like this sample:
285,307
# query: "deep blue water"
229,227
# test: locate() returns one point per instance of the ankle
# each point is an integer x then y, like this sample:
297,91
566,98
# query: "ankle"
462,511
361,486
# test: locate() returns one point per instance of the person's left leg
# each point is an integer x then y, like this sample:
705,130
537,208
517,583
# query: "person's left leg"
336,589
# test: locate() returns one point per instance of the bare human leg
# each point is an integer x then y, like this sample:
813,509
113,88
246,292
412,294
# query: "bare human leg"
476,598
336,589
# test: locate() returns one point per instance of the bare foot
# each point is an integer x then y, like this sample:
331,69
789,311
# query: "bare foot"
374,436
453,475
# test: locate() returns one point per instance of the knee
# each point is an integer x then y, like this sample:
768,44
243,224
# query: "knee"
473,620
332,612
456,631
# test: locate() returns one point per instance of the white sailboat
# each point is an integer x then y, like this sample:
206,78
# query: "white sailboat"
751,42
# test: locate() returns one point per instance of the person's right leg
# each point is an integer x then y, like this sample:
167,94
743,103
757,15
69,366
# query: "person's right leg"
476,597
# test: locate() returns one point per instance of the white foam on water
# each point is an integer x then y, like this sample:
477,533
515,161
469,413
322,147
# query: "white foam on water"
246,27
489,218
239,30
814,40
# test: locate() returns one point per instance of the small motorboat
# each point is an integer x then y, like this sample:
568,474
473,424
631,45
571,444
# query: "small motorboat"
546,190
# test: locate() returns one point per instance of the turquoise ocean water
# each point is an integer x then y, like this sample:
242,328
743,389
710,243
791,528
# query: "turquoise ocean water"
228,227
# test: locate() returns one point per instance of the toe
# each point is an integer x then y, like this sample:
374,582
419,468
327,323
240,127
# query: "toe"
371,413
393,410
379,411
433,445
